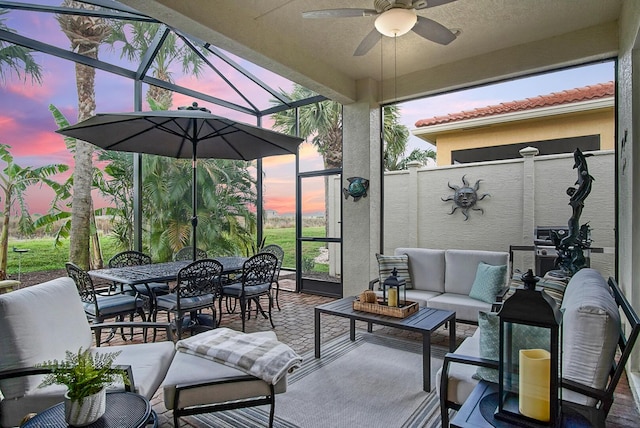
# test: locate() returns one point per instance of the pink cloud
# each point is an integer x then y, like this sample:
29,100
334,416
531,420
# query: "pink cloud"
28,89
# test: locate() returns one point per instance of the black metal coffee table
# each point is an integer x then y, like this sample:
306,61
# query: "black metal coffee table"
424,322
123,410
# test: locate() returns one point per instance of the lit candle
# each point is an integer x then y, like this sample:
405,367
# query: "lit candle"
393,297
535,368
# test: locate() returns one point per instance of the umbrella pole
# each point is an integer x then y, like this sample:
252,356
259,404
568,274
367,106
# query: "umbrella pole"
194,196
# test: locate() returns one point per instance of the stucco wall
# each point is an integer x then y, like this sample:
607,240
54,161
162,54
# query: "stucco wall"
501,225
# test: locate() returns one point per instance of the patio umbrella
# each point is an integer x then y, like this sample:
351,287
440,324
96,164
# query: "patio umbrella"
189,132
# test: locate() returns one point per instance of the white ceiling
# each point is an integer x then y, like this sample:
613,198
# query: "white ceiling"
500,39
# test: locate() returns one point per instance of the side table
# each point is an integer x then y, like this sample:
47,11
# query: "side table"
124,410
477,411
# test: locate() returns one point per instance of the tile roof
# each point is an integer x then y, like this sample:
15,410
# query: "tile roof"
586,93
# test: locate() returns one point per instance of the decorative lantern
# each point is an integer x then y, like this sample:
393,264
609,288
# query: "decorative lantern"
394,290
530,363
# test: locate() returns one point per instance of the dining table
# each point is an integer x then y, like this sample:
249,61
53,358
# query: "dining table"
160,272
142,275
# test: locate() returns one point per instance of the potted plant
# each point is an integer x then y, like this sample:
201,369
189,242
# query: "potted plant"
86,377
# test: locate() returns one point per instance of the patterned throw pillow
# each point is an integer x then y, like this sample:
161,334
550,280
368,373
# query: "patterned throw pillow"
386,265
489,281
523,336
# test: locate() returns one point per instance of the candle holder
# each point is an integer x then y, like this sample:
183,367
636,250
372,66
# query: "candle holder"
530,390
394,290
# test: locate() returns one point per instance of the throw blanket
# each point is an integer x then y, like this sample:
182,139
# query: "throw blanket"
256,355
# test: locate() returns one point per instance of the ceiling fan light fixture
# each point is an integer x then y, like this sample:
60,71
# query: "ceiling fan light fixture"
396,22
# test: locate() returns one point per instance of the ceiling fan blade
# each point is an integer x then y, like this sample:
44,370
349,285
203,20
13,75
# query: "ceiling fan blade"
339,13
431,30
368,42
424,4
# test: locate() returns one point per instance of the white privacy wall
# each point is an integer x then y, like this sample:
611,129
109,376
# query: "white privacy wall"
521,197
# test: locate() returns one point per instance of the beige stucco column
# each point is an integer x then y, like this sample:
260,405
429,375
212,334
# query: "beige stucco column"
628,173
361,219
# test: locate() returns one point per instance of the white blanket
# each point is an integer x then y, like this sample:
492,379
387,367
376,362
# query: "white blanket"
256,355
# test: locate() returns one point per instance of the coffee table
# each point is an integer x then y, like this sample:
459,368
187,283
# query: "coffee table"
424,322
124,410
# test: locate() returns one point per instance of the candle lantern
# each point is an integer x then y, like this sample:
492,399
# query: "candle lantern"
394,290
530,365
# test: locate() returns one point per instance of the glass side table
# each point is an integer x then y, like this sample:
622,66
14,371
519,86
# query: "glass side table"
124,410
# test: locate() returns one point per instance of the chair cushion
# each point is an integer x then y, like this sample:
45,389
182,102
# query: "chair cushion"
149,362
250,290
114,304
170,301
488,282
386,264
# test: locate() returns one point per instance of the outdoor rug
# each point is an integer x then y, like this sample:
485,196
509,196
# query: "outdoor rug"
375,381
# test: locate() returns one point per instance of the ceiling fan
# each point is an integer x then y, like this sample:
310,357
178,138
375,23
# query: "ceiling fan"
394,18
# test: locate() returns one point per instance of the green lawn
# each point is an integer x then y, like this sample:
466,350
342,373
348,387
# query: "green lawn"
42,254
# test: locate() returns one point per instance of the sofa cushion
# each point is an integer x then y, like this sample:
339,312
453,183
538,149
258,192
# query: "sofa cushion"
426,268
461,267
386,264
488,282
461,379
523,336
591,329
465,307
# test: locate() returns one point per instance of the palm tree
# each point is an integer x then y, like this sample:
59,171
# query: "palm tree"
396,138
14,181
85,33
136,37
225,191
17,59
322,120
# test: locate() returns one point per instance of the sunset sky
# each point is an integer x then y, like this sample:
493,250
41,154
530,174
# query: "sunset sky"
28,127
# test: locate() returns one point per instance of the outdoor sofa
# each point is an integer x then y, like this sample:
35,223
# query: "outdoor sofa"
447,279
591,335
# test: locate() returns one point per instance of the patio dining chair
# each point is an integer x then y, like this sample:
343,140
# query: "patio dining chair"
186,253
151,289
99,307
197,288
277,251
255,281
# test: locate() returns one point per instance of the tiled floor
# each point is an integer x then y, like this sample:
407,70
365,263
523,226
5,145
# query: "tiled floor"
294,326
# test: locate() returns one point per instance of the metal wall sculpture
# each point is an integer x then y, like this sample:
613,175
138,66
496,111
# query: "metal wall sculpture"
465,197
357,188
571,247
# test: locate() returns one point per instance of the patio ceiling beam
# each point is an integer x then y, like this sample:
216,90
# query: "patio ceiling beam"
152,51
294,104
248,74
109,4
80,12
120,71
64,54
196,94
215,69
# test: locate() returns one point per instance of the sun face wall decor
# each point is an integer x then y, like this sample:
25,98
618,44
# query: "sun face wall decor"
465,197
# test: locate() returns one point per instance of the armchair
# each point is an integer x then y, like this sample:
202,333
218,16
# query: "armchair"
43,321
257,275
